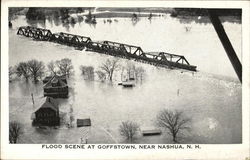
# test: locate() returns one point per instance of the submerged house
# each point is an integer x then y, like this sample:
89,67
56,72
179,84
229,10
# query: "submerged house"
47,114
55,87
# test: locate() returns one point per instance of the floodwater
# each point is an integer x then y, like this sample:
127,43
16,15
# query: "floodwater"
211,97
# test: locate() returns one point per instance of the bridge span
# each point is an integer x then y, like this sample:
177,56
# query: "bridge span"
161,59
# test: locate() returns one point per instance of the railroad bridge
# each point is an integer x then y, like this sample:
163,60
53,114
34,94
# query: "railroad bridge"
161,59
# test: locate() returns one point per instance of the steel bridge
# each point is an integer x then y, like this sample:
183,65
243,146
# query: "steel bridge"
36,33
161,59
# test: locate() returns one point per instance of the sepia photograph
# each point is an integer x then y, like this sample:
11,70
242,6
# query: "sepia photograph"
124,79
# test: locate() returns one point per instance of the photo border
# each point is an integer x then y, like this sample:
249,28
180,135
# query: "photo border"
206,151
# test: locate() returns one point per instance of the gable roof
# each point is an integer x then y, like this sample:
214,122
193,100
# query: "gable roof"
49,103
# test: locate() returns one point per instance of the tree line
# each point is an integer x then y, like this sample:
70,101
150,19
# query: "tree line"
107,69
35,70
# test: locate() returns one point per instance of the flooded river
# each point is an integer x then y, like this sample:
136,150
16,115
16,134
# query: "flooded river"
211,97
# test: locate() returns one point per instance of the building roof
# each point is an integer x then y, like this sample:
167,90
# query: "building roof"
55,79
83,122
50,103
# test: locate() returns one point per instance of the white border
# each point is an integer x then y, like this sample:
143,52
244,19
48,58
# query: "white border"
21,151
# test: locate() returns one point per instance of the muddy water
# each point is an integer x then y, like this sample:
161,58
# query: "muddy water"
212,102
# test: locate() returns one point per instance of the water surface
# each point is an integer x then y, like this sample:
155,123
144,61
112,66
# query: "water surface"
210,97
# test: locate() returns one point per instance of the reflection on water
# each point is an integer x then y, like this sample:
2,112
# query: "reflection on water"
200,95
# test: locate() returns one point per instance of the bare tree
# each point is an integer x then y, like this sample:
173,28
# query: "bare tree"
128,130
11,72
36,69
15,130
52,67
139,73
22,70
87,72
109,67
173,121
101,75
130,70
65,66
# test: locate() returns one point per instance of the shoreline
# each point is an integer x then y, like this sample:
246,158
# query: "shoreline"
184,15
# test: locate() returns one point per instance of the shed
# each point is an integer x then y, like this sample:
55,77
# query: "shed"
151,132
83,122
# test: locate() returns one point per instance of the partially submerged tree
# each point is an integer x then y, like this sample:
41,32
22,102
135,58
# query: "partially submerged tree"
109,67
101,75
133,71
11,73
128,130
52,67
139,73
65,66
36,69
64,13
173,121
22,70
15,130
35,13
87,72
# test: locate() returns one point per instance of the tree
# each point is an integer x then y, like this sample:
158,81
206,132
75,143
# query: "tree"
36,69
134,16
87,72
65,66
64,13
109,67
52,67
173,121
15,130
101,75
128,130
35,13
130,69
11,72
22,69
139,73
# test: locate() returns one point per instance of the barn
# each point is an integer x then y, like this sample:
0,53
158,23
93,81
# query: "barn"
47,114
